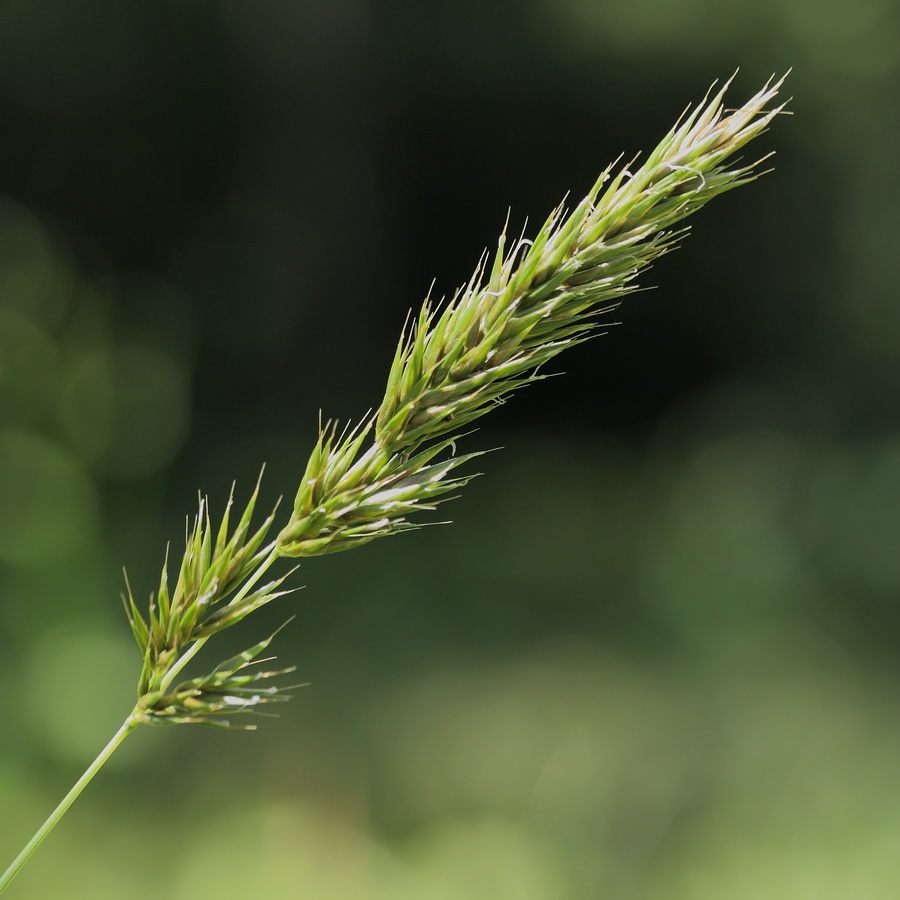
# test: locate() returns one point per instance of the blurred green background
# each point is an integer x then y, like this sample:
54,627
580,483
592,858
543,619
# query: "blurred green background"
655,656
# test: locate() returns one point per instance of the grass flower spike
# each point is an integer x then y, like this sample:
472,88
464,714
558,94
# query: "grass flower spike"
524,304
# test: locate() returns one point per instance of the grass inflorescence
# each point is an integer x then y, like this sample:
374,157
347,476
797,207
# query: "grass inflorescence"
525,303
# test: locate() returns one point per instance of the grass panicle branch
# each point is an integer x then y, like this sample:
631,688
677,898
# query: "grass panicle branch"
523,305
225,691
217,564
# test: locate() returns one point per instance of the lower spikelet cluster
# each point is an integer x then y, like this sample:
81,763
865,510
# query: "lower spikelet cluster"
216,588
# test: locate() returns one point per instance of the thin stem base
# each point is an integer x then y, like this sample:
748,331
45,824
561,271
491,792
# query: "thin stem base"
127,727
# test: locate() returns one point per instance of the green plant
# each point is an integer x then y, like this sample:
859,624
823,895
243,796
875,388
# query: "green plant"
523,305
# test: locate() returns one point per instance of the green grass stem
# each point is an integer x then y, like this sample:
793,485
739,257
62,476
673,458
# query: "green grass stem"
127,727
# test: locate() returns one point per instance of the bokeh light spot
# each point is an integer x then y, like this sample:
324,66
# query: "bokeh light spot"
126,409
33,280
74,681
29,367
49,505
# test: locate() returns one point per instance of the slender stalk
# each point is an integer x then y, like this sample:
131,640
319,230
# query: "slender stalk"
134,719
127,727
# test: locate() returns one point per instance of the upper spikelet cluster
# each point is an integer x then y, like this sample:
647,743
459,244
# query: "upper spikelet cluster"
520,309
